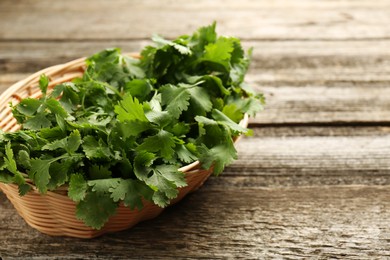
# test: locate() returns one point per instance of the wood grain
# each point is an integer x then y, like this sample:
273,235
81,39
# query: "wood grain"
322,222
248,19
272,60
322,104
314,180
326,130
314,160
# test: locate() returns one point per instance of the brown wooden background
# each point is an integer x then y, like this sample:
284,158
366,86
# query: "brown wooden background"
314,180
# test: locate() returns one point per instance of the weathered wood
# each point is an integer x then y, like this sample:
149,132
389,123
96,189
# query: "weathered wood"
323,104
246,19
282,131
302,61
302,160
239,223
292,194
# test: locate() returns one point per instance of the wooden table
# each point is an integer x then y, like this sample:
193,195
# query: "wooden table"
313,181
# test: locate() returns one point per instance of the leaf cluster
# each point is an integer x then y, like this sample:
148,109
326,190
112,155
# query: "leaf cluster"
121,131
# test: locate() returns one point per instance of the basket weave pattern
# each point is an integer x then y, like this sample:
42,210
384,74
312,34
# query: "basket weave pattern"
54,213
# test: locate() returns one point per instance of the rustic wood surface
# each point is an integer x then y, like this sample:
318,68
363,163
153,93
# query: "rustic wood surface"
313,181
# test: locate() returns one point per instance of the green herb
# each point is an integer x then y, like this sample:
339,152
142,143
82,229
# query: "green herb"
122,131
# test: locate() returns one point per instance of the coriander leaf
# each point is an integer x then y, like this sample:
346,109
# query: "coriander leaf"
233,112
133,128
111,70
205,120
219,156
103,185
142,162
37,122
43,83
171,173
213,83
160,118
52,134
251,105
68,93
202,37
130,192
238,53
95,149
248,89
200,100
218,103
180,48
28,106
73,142
10,165
180,129
123,187
39,173
57,144
99,172
139,88
133,67
175,98
57,109
240,65
70,144
159,183
160,198
59,173
130,109
96,214
9,160
163,142
222,118
219,52
6,178
24,159
61,122
77,187
24,189
110,55
98,119
154,104
184,154
191,147
124,168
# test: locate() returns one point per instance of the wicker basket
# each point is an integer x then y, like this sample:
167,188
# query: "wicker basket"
54,213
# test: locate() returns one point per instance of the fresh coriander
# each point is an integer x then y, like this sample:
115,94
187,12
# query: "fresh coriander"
122,131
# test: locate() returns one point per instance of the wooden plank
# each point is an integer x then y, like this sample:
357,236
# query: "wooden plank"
321,104
305,156
309,160
348,222
283,131
301,61
248,19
